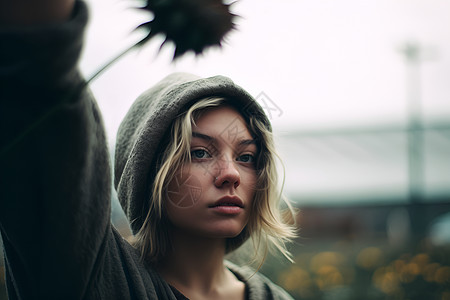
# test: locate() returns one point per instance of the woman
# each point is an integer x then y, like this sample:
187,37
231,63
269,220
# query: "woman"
194,172
197,156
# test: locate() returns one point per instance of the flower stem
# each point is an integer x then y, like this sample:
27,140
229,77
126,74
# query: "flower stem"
110,63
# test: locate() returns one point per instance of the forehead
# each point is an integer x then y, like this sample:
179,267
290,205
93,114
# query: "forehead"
222,120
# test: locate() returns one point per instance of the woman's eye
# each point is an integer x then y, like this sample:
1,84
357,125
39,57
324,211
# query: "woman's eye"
247,158
200,153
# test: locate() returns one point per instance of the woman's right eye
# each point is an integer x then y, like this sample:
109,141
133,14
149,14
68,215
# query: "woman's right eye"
199,154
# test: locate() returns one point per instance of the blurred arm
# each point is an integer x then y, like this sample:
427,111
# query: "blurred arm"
32,12
54,182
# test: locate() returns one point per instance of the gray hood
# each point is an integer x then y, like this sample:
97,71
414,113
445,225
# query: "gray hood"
147,124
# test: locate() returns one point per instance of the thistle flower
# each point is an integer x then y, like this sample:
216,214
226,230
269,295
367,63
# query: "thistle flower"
192,25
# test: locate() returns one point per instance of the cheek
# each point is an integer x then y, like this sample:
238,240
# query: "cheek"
249,178
184,190
249,185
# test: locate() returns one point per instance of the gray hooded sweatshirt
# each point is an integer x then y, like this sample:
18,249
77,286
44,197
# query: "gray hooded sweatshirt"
55,173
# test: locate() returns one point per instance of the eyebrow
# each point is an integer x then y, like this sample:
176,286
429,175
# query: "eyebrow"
202,136
210,138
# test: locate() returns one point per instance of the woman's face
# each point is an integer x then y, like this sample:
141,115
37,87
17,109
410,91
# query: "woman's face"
212,196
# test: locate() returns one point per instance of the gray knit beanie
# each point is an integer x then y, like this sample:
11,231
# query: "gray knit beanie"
148,123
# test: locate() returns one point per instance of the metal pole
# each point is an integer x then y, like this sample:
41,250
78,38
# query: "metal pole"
412,52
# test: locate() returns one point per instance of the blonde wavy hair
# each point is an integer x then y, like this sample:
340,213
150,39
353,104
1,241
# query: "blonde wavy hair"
272,219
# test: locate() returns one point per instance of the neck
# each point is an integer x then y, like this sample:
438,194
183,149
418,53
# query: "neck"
194,263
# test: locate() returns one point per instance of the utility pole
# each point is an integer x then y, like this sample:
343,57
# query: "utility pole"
413,53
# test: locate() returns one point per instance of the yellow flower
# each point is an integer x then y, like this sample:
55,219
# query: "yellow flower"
369,258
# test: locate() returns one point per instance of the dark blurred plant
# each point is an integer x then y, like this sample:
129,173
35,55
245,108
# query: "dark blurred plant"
192,25
189,24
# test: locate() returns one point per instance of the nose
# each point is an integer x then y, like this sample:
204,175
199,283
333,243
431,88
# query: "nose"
227,174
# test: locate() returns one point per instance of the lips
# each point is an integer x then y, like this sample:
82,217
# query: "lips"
228,201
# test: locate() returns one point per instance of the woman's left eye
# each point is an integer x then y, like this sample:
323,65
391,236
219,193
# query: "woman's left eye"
200,153
247,158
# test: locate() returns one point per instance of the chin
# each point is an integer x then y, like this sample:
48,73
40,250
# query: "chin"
226,232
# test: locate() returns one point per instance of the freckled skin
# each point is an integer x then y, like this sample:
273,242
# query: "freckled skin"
184,190
226,154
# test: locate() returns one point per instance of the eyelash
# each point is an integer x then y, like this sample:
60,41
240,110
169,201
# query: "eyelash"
199,151
250,156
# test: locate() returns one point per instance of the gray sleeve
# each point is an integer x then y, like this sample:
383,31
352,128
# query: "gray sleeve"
54,165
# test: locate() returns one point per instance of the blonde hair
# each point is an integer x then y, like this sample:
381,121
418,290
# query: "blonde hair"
269,226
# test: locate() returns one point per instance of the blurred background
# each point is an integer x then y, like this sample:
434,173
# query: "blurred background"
358,93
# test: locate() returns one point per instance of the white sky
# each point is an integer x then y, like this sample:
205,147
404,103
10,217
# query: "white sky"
324,63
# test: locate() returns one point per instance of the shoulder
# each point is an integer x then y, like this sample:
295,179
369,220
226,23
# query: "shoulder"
122,274
258,285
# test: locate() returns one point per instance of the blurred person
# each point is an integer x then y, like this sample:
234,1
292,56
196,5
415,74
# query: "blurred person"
194,172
